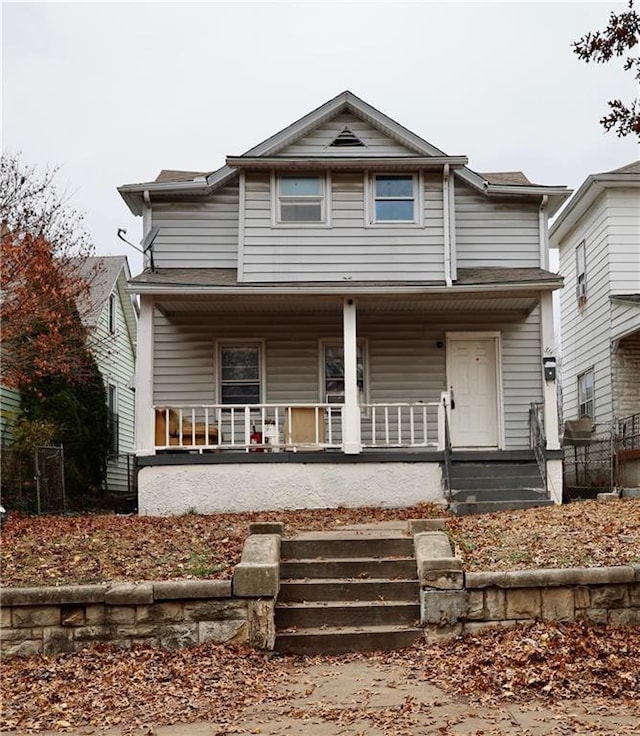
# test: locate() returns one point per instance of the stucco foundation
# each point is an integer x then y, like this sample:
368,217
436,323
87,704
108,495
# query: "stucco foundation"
179,489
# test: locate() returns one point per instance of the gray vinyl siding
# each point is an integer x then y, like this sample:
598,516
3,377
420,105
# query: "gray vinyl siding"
202,234
116,361
586,328
404,362
623,231
495,232
318,142
347,249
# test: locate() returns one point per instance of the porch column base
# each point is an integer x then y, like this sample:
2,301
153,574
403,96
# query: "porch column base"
352,448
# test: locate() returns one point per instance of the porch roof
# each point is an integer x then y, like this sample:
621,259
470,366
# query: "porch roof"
225,281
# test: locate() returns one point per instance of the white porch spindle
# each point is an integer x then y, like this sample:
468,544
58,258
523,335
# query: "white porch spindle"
351,410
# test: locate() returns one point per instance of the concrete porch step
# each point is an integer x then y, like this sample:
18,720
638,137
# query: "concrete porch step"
468,507
493,469
330,589
501,482
340,640
500,495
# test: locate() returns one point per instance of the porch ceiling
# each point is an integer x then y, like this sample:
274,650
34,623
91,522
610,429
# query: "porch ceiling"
521,303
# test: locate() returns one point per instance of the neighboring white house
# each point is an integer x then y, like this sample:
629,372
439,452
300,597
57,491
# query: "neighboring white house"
598,237
112,324
314,309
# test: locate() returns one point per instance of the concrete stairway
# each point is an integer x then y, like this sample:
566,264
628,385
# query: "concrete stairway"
482,487
347,591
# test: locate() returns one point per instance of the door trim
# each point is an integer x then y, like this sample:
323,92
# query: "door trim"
496,336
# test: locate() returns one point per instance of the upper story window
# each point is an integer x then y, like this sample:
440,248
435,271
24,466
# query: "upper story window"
112,314
301,199
581,271
240,374
586,394
394,198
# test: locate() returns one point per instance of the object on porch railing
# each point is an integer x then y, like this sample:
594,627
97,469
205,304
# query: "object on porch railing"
175,429
538,439
304,428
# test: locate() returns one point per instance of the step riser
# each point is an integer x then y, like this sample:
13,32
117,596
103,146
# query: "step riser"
367,615
361,590
298,549
336,643
505,483
471,470
357,569
498,495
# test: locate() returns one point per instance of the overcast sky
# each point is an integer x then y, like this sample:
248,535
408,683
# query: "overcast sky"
114,92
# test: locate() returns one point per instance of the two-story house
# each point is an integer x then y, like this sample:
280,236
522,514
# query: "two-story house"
344,315
598,237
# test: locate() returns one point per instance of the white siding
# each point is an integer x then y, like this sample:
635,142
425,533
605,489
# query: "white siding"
491,232
116,361
200,234
404,362
318,142
9,410
585,329
347,250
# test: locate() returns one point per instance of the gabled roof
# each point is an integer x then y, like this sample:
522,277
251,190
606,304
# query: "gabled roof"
106,273
200,184
592,187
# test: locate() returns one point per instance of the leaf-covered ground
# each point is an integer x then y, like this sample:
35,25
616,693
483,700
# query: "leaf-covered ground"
65,550
538,666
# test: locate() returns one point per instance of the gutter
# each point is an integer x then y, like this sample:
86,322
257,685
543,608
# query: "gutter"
181,289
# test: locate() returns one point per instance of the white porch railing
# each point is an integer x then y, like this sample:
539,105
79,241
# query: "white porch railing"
276,427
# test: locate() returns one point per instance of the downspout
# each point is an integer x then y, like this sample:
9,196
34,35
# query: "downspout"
543,233
446,225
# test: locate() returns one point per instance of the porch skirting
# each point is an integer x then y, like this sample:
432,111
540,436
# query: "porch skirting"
166,489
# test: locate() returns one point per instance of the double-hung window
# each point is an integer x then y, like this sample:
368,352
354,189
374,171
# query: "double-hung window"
333,372
240,374
301,199
586,396
581,272
394,198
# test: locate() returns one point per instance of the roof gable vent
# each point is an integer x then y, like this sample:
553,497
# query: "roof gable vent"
346,139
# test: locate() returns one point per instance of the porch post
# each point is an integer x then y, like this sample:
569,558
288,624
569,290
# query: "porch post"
145,429
549,387
351,410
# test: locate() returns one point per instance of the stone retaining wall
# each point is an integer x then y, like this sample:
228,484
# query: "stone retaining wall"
453,602
166,614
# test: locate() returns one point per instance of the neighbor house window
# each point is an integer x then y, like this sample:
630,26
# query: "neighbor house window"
240,371
586,401
394,198
112,314
581,271
113,420
301,199
333,372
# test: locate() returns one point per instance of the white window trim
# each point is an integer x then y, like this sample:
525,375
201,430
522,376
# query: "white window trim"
363,344
112,312
581,287
246,343
370,200
324,222
110,384
581,376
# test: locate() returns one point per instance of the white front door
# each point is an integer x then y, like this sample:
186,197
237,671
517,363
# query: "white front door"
472,370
